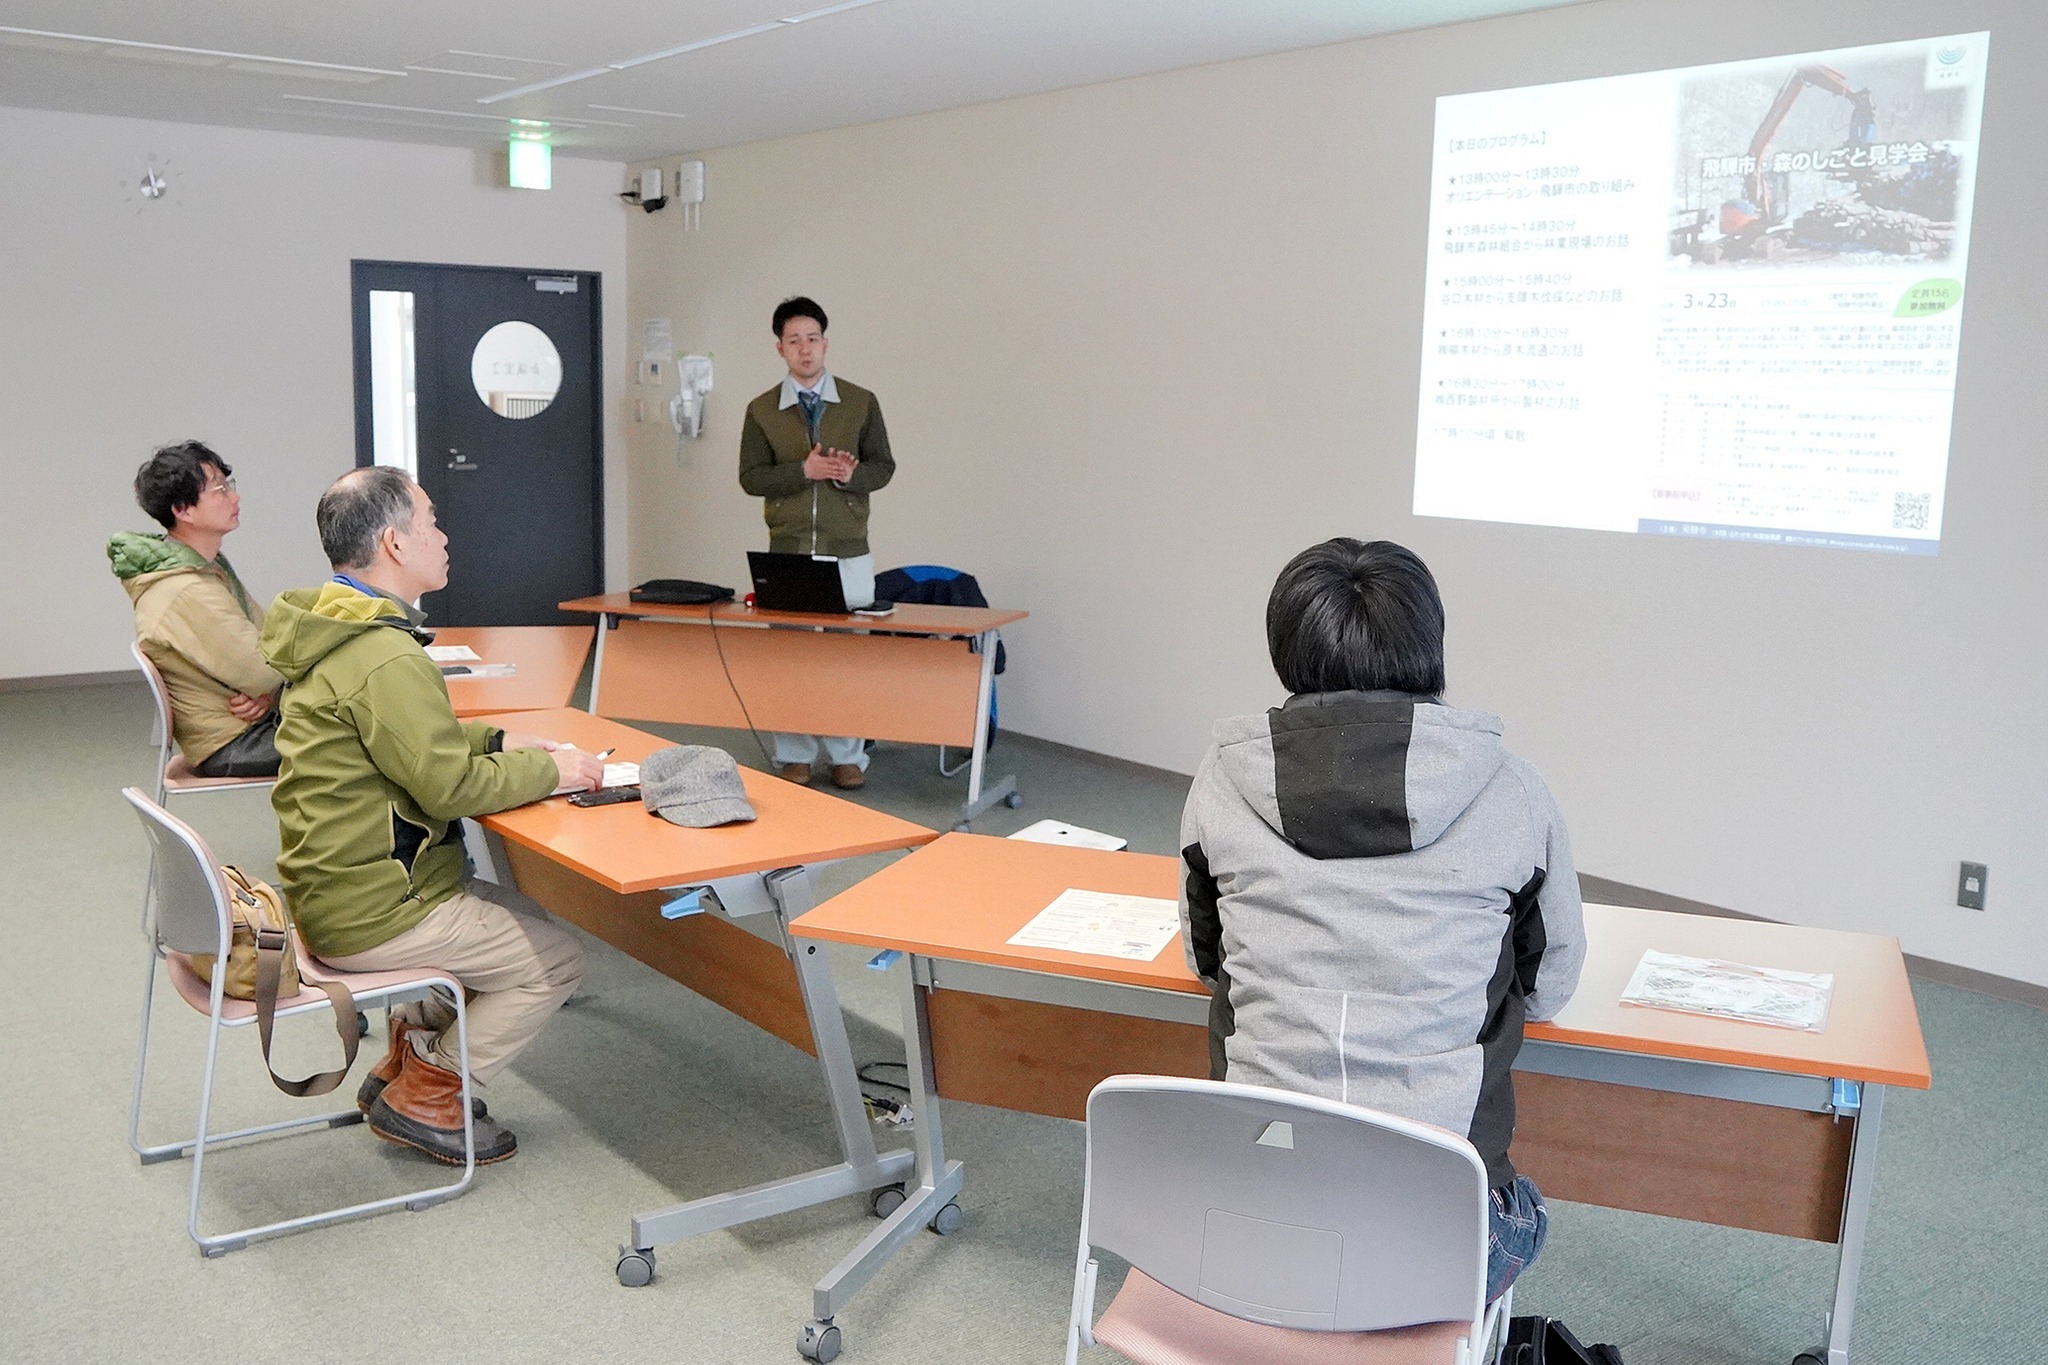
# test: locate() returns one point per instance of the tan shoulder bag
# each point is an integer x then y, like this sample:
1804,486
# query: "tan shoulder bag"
262,966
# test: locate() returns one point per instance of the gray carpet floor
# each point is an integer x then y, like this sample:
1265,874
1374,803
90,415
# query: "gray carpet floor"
640,1095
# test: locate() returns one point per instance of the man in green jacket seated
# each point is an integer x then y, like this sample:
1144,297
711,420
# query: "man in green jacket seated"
194,619
377,777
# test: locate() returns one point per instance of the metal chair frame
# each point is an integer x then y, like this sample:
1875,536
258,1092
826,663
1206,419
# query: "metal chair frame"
193,917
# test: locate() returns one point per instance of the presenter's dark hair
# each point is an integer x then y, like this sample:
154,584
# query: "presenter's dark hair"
797,306
174,477
356,508
1352,615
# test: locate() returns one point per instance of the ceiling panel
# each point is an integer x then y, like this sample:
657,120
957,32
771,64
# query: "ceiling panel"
242,63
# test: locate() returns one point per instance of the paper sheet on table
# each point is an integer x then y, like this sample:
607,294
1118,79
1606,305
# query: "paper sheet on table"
615,775
480,670
452,654
1102,924
1731,990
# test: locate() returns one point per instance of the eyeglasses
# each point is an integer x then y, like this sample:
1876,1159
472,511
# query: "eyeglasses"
226,485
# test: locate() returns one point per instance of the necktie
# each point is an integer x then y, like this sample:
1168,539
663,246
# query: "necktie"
812,404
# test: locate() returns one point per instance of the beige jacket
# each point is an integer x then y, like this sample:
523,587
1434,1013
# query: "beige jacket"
200,627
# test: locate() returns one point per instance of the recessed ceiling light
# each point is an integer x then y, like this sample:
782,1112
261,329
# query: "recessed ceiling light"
162,56
305,73
130,46
43,43
439,113
501,57
451,71
626,64
468,130
622,109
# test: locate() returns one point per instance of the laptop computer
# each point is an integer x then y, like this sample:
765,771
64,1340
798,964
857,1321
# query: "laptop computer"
813,583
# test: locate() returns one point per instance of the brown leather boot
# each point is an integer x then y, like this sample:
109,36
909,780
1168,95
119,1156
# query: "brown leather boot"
848,777
422,1109
799,773
386,1071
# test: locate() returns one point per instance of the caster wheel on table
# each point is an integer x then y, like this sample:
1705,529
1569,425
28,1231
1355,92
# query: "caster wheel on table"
362,1024
818,1341
1015,800
886,1200
635,1268
1819,1356
946,1221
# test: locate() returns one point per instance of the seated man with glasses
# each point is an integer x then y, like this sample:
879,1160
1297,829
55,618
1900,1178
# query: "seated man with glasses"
193,617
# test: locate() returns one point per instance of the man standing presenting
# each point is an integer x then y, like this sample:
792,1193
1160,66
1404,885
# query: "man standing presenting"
813,448
194,619
377,777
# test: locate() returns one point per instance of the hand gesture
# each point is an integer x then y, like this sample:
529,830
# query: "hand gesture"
820,466
248,709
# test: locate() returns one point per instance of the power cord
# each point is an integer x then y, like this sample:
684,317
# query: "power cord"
886,1107
711,616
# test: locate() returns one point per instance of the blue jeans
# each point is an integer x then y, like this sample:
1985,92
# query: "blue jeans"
1516,1226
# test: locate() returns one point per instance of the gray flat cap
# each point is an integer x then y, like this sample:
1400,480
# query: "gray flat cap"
693,785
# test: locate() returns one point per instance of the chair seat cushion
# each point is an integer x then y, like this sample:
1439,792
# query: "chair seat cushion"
1152,1325
180,777
196,992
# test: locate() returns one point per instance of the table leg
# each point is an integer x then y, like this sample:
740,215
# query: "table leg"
928,1196
1855,1222
863,1169
604,628
1004,791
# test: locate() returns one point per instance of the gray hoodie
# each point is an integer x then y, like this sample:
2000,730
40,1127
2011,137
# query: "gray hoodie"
1379,895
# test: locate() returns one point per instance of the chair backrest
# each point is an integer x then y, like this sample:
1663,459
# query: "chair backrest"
191,894
160,694
1286,1209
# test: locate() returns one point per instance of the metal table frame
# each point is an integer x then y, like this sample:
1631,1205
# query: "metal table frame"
763,903
1861,1103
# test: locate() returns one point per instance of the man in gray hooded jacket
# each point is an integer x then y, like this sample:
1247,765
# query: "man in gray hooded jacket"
1376,891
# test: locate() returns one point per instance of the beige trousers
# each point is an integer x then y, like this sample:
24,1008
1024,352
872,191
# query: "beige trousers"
517,964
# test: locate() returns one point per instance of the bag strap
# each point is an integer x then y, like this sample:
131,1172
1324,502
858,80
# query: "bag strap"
271,946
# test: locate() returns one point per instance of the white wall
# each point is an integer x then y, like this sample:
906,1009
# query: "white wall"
1141,342
221,312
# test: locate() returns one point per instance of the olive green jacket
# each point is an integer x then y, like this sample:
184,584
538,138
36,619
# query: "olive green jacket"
198,625
807,516
377,773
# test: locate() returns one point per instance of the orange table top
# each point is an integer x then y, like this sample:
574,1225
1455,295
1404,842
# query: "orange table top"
626,849
962,897
909,618
550,661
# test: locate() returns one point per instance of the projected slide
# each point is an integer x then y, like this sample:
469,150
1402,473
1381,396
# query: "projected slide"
1719,302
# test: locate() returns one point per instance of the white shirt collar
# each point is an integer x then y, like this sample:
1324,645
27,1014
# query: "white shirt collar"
826,390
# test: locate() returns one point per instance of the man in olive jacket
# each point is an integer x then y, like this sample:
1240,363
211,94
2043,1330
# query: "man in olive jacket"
194,619
813,448
377,776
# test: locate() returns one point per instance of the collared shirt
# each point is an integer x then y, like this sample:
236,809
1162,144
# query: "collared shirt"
825,389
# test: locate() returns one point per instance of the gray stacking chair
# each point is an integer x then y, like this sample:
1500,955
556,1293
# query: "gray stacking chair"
1283,1228
193,917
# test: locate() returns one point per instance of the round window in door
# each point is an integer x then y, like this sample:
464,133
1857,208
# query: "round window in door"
516,370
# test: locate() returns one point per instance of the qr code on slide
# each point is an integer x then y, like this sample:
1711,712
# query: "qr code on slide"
1909,511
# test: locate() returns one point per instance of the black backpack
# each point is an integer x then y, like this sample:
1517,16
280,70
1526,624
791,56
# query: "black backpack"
679,592
1546,1341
